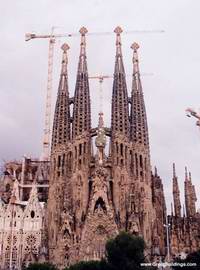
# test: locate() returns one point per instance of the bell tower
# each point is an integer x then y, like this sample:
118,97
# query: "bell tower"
58,199
81,138
120,134
140,152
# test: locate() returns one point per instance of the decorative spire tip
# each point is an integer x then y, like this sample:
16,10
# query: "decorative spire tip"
65,47
174,170
118,30
83,31
135,46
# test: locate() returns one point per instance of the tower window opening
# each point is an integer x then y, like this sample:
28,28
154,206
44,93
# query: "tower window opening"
80,149
121,150
136,162
100,204
63,161
59,161
117,148
141,161
32,214
122,162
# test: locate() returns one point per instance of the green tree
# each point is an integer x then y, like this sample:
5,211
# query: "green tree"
41,266
91,265
125,252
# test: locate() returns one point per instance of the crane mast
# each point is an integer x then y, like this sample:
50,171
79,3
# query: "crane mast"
47,127
101,79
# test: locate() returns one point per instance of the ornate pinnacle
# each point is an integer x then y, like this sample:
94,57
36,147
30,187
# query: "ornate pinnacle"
174,170
118,30
155,171
186,174
135,46
65,47
101,138
83,31
101,124
190,176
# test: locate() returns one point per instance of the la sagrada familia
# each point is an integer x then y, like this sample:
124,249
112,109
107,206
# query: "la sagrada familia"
98,182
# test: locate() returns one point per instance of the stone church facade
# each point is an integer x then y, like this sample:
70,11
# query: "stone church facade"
92,195
21,230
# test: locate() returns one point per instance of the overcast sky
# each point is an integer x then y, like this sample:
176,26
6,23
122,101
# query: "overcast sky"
172,57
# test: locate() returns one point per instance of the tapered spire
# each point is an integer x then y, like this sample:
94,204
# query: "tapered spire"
155,171
176,194
193,192
138,119
172,212
174,170
100,141
61,124
190,195
120,114
186,174
81,113
119,66
82,66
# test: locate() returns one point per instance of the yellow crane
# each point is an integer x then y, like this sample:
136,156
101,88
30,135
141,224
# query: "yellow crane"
52,39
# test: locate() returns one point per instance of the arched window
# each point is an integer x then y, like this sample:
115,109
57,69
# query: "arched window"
141,162
121,149
32,214
59,161
100,204
117,148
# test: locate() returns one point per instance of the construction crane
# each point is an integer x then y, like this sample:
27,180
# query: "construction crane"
47,122
52,38
190,112
101,79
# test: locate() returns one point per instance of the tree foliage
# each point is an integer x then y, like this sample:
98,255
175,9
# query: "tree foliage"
125,252
41,266
91,265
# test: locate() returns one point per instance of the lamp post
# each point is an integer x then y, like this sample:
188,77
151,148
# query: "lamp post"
167,225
